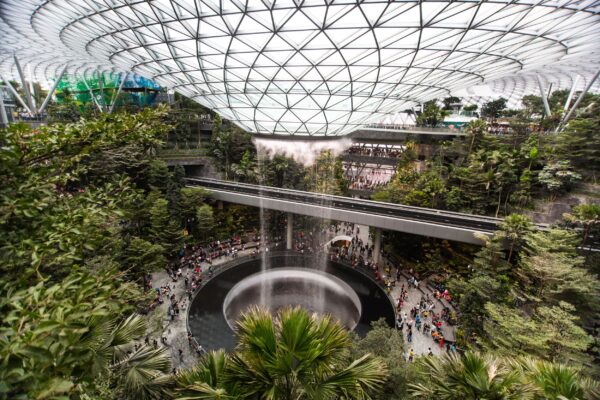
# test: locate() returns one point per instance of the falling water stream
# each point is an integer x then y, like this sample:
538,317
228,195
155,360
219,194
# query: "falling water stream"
305,152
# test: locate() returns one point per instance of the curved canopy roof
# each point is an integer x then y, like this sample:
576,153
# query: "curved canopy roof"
309,67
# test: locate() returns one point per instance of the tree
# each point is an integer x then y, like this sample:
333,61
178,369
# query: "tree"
555,381
449,101
206,220
550,332
246,170
586,216
493,109
549,276
387,344
65,338
432,114
295,355
558,177
190,198
164,230
326,175
144,257
580,143
475,131
206,380
513,229
472,376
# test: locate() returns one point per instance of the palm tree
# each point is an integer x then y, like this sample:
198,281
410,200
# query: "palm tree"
292,355
514,228
207,380
109,346
555,381
472,376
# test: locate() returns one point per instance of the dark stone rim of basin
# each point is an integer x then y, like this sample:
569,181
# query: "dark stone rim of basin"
204,315
313,289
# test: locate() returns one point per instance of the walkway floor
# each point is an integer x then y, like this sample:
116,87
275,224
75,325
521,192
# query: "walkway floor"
421,343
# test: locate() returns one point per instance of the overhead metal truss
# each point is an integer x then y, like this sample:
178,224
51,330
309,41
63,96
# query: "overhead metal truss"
308,67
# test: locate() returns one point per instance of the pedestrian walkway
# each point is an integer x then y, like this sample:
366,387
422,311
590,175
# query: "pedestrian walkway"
421,342
175,333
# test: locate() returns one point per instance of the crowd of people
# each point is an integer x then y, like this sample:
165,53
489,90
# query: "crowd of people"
379,151
422,317
368,178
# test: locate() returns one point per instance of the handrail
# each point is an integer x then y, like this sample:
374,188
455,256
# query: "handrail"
323,197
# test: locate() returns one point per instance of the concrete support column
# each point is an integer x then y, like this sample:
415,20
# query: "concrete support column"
290,231
377,246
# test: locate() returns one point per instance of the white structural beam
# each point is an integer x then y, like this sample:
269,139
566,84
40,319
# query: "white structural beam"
31,87
16,94
101,90
581,96
116,96
3,115
25,86
544,98
571,93
52,89
92,94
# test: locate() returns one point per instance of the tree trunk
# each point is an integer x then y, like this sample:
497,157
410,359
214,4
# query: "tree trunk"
499,201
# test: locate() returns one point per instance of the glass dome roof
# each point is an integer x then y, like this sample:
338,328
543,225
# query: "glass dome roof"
308,67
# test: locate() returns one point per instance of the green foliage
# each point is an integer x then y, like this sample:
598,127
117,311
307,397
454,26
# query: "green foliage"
326,175
556,381
56,339
472,376
513,229
480,376
551,332
164,230
206,221
558,177
448,101
587,217
143,257
284,172
387,344
493,109
228,145
207,380
580,143
432,114
293,355
74,224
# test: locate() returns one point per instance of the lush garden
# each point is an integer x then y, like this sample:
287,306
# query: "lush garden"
87,209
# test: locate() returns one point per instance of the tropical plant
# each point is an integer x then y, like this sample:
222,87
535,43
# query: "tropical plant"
432,114
472,376
558,177
553,381
292,355
62,339
206,380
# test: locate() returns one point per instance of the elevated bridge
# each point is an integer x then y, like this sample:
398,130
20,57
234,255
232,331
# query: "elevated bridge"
415,220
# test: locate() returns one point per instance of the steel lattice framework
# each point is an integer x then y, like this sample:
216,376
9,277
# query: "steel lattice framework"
308,67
